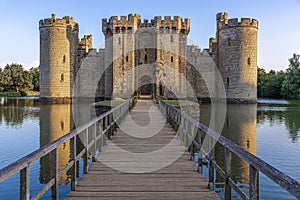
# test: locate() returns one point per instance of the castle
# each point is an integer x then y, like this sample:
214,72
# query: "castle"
148,57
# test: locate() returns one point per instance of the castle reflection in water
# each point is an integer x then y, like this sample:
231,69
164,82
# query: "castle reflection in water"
55,121
240,128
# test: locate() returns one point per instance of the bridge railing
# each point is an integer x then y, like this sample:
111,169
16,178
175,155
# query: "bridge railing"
192,133
103,125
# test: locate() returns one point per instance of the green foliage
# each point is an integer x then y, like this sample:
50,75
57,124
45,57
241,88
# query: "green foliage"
32,93
178,102
269,84
280,84
23,93
111,102
10,94
291,85
14,78
35,78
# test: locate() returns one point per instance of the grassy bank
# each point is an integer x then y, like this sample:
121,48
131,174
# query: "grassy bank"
19,94
111,102
178,102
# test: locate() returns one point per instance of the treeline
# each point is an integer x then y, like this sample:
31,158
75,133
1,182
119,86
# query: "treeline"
14,78
281,84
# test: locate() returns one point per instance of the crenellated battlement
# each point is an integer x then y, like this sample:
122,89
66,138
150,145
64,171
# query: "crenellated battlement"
66,21
224,22
192,48
128,24
122,24
176,23
86,42
222,17
196,51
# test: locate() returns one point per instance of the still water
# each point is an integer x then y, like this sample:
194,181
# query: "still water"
269,130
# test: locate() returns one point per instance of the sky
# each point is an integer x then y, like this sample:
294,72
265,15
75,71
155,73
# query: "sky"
279,23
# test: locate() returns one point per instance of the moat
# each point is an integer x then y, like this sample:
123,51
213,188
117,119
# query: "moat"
270,131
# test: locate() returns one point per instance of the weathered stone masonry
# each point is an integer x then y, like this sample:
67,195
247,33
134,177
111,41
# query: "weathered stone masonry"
139,53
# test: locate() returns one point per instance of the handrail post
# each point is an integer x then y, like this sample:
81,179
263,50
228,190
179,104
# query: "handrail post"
199,141
228,157
25,183
185,135
107,127
85,155
254,183
95,141
167,114
115,119
74,167
101,133
111,123
211,172
192,146
54,169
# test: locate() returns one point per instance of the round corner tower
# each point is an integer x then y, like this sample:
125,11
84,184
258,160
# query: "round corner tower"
237,57
58,46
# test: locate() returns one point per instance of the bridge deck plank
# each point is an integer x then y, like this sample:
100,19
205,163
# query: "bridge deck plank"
177,180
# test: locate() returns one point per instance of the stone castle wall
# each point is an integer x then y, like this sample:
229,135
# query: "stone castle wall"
201,74
58,47
88,82
237,56
133,49
153,51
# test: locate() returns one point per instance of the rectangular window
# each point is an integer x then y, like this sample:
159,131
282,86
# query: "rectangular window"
174,30
168,30
129,30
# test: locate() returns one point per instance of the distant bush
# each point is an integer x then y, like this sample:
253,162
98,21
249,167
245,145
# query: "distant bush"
22,93
31,93
10,94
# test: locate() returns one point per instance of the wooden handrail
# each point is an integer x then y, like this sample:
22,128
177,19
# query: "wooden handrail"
106,123
182,122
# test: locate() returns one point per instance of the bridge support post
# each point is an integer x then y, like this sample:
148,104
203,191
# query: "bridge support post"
85,155
211,171
254,183
95,141
199,141
25,183
54,172
74,167
101,133
228,157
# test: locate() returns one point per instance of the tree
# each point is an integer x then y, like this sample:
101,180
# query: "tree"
35,72
269,84
291,85
261,73
4,80
13,77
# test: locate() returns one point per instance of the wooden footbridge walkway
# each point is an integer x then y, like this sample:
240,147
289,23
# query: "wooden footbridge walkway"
144,154
149,175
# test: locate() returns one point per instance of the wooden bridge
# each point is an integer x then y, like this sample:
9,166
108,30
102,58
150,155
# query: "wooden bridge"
144,158
151,176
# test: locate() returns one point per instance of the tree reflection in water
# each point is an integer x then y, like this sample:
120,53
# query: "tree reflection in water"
14,111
